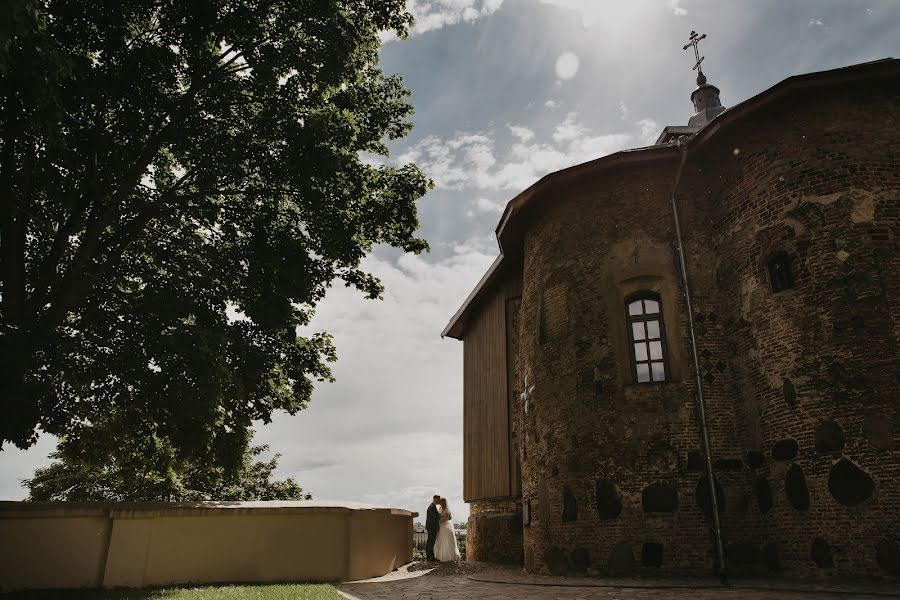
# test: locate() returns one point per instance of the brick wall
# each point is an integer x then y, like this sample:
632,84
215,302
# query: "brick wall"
818,365
494,532
611,469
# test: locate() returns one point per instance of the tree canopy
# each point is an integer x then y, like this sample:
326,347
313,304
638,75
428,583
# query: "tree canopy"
149,472
180,182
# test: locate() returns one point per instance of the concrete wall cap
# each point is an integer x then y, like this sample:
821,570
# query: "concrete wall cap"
142,510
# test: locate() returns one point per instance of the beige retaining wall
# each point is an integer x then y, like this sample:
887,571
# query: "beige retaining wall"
90,545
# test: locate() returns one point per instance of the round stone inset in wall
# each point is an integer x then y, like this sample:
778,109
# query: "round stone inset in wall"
763,494
772,557
729,464
703,498
849,484
820,552
652,554
659,497
609,502
790,394
570,506
556,561
755,459
621,561
695,461
887,553
784,449
829,437
795,488
743,553
581,560
877,429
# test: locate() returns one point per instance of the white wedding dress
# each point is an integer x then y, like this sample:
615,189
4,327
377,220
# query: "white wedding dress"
445,547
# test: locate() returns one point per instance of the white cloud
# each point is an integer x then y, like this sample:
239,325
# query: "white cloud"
618,16
567,65
551,104
569,129
16,465
624,111
430,15
389,429
675,7
817,23
650,131
522,133
486,205
469,160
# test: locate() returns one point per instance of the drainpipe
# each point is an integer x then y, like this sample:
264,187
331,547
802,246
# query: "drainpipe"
701,410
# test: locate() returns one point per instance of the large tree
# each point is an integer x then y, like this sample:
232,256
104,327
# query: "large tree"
180,182
148,470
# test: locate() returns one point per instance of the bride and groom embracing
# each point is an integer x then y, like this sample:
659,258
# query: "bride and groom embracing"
441,544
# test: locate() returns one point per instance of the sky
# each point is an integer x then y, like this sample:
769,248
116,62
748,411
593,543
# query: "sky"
505,92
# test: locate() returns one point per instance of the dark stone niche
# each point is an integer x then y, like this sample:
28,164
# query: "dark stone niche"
556,561
877,429
743,553
763,494
695,461
790,394
659,497
581,560
515,524
543,503
795,488
772,557
755,459
784,450
570,506
652,554
887,553
704,500
821,554
609,502
729,464
829,437
849,484
621,561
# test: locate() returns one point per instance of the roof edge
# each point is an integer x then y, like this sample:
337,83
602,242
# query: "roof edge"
666,150
454,328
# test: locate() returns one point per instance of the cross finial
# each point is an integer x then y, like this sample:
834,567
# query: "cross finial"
694,40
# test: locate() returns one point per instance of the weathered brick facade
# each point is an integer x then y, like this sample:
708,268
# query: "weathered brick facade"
494,531
801,386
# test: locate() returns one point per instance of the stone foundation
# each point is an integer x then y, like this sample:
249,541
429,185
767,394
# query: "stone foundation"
495,531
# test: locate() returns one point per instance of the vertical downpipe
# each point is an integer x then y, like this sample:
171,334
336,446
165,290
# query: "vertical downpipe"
701,409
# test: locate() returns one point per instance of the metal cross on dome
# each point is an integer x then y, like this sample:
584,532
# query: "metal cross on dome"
694,40
525,394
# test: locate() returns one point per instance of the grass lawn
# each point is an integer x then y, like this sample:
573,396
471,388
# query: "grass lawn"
219,592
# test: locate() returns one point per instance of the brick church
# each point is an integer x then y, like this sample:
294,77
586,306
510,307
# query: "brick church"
687,354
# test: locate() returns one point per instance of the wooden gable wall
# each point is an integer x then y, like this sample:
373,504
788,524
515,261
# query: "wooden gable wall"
490,466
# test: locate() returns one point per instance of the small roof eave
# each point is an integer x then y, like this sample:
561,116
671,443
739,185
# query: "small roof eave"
454,328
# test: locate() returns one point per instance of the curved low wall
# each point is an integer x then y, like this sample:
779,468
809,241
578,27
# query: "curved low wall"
92,545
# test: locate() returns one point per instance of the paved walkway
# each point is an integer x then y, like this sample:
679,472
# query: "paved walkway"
482,582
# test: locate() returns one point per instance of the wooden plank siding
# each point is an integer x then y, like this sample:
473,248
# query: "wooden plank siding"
490,468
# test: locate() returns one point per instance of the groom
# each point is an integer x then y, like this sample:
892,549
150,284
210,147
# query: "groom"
432,524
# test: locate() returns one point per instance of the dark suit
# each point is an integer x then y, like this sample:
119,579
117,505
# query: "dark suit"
432,524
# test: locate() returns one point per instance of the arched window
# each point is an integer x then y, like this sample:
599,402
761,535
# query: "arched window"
647,336
780,276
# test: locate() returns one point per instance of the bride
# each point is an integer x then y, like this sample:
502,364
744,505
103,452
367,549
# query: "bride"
445,547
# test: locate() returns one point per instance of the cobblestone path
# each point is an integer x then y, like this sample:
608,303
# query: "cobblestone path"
481,583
